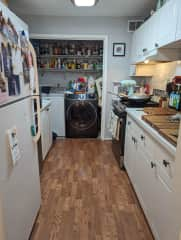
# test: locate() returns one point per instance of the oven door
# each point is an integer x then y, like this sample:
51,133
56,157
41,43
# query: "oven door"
118,142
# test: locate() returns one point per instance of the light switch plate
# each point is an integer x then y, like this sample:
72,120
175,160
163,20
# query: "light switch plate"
14,145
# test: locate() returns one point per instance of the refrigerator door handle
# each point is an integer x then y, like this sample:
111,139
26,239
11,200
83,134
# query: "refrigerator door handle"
36,100
36,81
36,93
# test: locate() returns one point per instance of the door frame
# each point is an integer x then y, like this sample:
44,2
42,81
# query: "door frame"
104,38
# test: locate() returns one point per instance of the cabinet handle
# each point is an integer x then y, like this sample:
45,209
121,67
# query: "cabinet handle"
166,163
144,49
156,45
129,123
134,140
153,165
142,137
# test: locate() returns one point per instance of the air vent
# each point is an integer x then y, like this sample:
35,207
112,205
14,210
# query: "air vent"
134,24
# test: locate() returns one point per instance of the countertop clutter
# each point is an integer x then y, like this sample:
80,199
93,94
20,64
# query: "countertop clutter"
165,136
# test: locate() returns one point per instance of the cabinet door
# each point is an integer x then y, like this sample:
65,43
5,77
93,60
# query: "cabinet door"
139,44
43,133
46,131
58,115
167,23
136,46
148,35
133,49
130,156
145,172
178,31
49,129
144,39
162,211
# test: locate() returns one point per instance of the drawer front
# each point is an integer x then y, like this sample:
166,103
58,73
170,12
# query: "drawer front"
145,141
132,125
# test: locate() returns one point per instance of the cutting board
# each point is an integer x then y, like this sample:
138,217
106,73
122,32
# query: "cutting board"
170,134
160,121
159,111
164,125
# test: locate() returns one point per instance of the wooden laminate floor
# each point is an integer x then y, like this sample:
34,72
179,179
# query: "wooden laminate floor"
85,196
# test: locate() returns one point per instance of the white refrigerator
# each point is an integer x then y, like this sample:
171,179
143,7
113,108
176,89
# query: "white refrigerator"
20,196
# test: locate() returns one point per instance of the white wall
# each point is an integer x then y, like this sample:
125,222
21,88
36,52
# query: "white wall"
114,27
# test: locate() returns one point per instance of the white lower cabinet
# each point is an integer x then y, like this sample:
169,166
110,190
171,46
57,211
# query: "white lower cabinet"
46,130
145,184
129,155
57,114
151,175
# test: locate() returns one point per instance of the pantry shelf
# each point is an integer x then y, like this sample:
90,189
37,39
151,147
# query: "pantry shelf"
69,70
71,56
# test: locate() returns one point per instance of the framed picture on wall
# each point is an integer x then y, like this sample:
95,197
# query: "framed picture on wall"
119,49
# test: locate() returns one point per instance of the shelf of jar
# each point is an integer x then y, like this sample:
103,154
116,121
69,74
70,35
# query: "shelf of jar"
69,70
71,56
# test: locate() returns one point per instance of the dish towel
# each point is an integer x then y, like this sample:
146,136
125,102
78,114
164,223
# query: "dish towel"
114,125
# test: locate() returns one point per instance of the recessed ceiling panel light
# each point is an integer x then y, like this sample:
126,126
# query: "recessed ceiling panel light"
84,3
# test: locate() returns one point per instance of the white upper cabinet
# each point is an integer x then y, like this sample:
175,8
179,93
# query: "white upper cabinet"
148,34
167,23
158,31
178,32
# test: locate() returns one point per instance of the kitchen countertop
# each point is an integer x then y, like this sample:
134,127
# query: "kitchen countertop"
45,104
57,94
137,114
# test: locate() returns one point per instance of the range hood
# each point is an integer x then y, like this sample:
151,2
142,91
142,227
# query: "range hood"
162,55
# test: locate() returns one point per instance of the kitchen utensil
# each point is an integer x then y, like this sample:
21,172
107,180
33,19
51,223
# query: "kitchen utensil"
139,97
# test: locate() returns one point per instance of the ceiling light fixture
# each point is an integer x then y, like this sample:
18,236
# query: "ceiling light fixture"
84,3
146,61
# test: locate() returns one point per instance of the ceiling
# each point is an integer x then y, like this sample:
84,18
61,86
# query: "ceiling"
65,8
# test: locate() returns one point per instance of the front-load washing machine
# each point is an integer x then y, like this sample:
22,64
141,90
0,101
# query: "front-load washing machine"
81,116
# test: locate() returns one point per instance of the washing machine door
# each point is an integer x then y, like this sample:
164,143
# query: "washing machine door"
81,115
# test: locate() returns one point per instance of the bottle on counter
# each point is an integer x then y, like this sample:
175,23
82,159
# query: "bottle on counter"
88,52
78,65
66,51
63,65
59,63
178,97
91,85
73,64
163,102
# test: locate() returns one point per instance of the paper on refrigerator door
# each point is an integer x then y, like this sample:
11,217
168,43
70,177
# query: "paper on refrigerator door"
32,79
16,61
14,145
